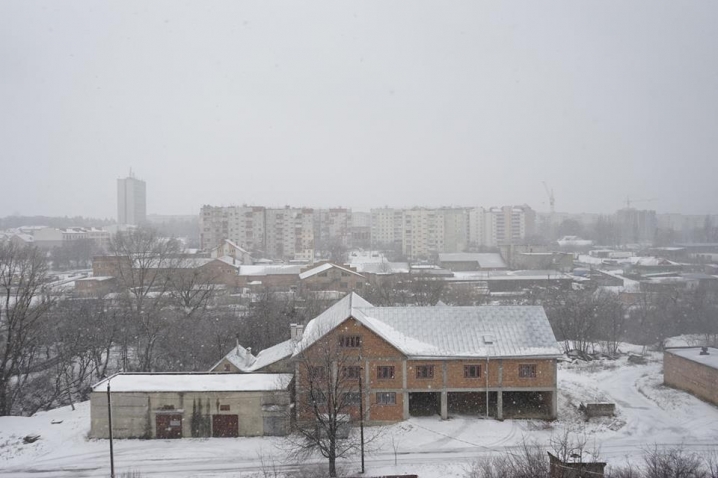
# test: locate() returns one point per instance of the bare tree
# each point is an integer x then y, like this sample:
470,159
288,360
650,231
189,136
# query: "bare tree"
144,262
328,397
23,304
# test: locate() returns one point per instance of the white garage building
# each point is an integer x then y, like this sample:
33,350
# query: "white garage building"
176,405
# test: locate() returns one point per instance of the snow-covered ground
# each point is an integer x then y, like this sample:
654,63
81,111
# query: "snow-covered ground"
647,413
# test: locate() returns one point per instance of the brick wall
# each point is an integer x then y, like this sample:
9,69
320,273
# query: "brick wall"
695,378
448,374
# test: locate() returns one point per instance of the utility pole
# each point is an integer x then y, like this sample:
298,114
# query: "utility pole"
361,418
109,420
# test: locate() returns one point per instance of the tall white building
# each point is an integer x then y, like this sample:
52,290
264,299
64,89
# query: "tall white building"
290,233
131,200
456,229
423,233
332,226
386,226
510,224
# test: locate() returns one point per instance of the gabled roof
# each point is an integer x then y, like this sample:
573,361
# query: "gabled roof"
325,267
273,354
329,319
231,243
444,332
246,362
229,261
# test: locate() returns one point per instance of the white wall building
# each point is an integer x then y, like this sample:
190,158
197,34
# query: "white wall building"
131,201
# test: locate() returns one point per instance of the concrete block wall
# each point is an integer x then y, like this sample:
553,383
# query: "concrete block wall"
698,379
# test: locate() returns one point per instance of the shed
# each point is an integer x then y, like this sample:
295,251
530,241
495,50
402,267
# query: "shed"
693,369
176,405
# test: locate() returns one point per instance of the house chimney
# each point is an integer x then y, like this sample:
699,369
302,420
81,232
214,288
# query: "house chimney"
300,331
704,351
249,350
236,350
293,331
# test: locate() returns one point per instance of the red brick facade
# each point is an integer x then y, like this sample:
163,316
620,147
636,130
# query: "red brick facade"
406,375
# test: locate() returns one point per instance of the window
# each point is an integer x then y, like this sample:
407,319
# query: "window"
352,398
226,367
424,371
350,341
527,371
224,408
386,398
317,396
351,373
472,371
384,372
316,373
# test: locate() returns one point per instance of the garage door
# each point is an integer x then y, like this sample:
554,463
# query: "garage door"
169,425
224,426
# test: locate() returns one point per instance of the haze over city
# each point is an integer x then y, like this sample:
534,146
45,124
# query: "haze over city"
323,104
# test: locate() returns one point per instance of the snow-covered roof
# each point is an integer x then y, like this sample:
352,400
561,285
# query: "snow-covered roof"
229,261
510,275
273,354
443,332
239,248
243,359
487,260
382,267
95,279
194,382
325,267
693,354
274,269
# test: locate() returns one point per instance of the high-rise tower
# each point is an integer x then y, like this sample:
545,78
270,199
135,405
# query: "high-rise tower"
131,200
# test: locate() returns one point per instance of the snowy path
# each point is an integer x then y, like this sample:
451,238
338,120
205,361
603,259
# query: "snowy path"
648,414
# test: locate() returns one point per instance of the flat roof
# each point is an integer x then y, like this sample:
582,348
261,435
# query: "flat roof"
693,354
194,382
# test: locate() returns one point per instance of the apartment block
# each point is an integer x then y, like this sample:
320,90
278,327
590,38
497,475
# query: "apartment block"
510,224
456,229
423,233
290,233
332,226
243,225
386,226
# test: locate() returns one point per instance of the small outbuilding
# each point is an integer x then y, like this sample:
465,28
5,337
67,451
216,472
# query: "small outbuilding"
693,369
177,405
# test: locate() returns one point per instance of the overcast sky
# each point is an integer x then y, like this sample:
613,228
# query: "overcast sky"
358,104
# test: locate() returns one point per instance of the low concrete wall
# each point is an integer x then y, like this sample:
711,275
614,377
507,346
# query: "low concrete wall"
598,409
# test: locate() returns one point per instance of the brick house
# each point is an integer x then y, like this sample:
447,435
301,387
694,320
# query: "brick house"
434,360
693,369
328,276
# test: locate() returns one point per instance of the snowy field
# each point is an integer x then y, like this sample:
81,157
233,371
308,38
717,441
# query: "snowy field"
647,413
